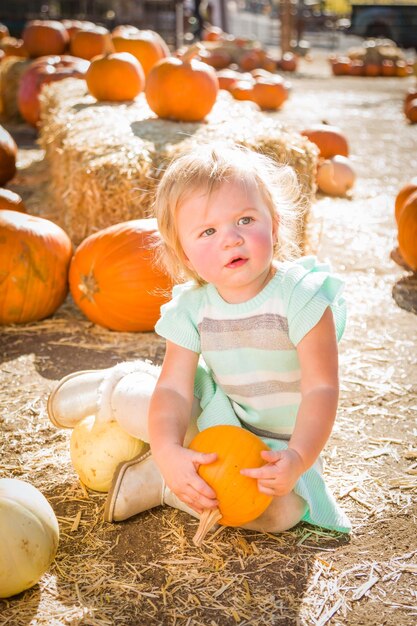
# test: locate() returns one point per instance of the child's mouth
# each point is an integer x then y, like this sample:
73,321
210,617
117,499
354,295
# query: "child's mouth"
238,262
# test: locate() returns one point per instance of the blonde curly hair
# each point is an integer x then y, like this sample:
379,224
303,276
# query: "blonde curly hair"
204,169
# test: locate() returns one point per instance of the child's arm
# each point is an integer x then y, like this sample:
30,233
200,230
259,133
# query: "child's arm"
317,353
169,416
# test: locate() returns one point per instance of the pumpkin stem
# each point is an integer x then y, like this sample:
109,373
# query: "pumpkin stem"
88,286
192,52
208,519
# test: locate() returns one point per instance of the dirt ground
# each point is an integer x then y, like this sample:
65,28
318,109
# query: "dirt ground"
146,570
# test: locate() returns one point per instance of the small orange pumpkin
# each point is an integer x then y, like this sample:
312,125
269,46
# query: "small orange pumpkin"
340,65
410,94
73,26
252,59
288,62
113,278
388,68
227,78
329,139
219,59
270,94
239,499
115,77
411,110
146,45
407,231
11,201
43,37
34,259
357,68
403,195
92,42
13,47
242,89
8,154
212,33
182,89
372,69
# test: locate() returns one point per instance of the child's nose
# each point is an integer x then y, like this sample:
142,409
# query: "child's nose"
232,237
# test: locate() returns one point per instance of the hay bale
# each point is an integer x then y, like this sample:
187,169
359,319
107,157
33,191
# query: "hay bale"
11,69
105,160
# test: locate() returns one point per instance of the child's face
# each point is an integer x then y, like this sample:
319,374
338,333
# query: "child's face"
228,238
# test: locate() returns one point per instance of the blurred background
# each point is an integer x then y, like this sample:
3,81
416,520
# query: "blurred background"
290,24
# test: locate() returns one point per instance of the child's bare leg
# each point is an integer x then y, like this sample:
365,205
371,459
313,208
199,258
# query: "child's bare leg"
283,513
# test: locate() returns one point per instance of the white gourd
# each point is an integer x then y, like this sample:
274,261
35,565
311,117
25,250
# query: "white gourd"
335,176
96,448
29,536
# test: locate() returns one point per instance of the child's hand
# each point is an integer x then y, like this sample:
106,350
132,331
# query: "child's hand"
179,467
279,475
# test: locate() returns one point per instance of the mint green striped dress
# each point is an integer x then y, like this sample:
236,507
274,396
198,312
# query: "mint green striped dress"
249,373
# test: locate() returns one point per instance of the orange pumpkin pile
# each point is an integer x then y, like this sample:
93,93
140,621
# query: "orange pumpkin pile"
113,278
239,499
375,57
335,174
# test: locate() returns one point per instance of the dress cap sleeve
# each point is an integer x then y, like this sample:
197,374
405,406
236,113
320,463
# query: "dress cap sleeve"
178,317
309,288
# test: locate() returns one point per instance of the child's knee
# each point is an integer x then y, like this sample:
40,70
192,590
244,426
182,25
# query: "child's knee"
282,514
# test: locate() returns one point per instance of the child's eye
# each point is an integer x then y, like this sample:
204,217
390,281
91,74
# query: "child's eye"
245,220
208,232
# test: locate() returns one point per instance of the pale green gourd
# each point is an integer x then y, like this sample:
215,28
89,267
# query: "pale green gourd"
29,536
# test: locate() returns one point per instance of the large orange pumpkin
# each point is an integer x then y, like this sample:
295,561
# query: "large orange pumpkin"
113,278
41,38
146,45
115,77
42,71
329,139
182,89
8,153
89,43
403,195
11,201
407,231
239,499
34,259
